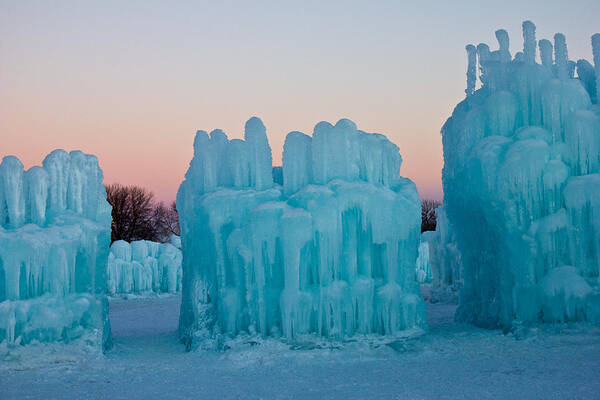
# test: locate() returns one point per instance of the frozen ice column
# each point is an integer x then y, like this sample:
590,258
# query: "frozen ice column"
330,253
521,167
54,237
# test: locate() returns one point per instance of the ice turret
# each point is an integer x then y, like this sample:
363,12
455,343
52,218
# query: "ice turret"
587,76
297,158
521,165
503,42
331,253
54,236
11,179
471,69
546,53
529,44
561,56
596,52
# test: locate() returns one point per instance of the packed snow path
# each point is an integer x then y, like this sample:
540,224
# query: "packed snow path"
452,361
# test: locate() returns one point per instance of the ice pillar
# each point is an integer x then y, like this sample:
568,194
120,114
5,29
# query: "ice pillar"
529,45
596,52
471,69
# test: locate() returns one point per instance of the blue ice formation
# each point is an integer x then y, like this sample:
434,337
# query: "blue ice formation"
522,184
143,266
54,239
423,270
445,261
331,252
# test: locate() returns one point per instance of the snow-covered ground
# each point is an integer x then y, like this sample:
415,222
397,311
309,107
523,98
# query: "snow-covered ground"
451,361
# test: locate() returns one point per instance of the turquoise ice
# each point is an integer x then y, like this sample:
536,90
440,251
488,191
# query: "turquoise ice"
54,237
522,184
332,252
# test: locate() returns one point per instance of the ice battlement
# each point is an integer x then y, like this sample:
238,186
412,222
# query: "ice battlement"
497,67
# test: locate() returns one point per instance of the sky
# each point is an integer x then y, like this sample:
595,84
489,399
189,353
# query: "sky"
132,81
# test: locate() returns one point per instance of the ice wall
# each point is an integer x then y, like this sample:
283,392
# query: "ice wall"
54,238
445,261
522,185
143,266
423,266
332,252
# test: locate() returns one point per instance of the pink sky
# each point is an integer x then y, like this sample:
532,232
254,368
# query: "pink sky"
132,82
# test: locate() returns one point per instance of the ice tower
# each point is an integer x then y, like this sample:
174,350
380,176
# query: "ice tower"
522,184
445,261
54,240
332,252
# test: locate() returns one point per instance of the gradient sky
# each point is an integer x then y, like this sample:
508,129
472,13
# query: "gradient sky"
132,81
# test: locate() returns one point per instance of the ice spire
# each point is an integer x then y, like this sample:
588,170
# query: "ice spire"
546,53
11,183
471,69
503,41
483,53
261,175
529,44
561,56
596,52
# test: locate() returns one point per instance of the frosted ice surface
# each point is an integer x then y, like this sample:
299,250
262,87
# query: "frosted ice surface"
521,189
143,266
54,236
330,253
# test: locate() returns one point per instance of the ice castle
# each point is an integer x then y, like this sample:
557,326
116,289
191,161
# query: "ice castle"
54,237
521,184
331,252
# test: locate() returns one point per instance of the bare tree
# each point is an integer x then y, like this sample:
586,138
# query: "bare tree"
166,220
428,221
133,213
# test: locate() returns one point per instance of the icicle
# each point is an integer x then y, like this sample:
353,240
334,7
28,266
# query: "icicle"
471,69
546,53
529,45
596,52
561,56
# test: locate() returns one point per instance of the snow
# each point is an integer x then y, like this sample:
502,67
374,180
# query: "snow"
143,266
54,236
330,253
452,361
